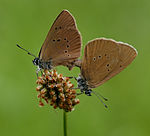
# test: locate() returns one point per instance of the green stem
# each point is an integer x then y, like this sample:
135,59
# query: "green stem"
65,123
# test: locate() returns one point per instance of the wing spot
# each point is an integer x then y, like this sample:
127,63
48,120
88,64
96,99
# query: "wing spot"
105,54
66,51
107,65
67,46
108,69
55,28
53,40
120,66
58,40
94,58
68,55
65,39
60,27
99,57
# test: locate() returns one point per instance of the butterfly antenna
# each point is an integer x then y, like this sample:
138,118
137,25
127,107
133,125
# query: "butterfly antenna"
99,97
26,50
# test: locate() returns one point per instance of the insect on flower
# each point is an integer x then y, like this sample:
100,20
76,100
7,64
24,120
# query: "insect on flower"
62,45
103,59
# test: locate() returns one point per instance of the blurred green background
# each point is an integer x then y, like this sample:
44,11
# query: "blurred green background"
27,23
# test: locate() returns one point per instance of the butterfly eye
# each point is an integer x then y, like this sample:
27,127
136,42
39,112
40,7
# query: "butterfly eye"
94,58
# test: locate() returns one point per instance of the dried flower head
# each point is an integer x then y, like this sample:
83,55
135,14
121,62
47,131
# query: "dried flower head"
56,90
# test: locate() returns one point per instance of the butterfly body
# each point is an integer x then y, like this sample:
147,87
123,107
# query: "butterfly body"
42,65
83,86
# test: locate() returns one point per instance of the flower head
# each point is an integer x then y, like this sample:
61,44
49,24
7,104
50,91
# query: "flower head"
56,90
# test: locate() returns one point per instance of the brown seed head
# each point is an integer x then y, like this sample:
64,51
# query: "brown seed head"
56,91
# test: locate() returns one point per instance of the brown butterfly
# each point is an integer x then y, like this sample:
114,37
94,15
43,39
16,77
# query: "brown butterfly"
62,45
103,59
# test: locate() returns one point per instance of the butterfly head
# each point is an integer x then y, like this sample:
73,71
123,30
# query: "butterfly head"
42,64
36,61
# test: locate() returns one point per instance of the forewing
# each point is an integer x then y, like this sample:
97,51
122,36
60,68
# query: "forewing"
103,59
63,42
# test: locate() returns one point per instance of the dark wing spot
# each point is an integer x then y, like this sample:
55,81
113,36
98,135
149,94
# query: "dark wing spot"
55,28
107,65
108,69
68,55
120,66
53,40
94,58
60,27
65,39
105,54
66,51
99,57
67,46
58,40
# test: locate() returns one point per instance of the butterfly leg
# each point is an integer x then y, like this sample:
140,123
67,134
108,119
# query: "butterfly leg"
77,93
73,77
75,88
37,71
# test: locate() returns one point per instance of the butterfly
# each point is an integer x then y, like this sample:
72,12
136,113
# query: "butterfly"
103,59
62,45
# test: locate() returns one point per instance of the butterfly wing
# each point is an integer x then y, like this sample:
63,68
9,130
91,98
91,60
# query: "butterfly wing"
103,59
63,42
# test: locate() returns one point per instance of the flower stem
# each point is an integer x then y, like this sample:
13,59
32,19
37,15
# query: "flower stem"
65,123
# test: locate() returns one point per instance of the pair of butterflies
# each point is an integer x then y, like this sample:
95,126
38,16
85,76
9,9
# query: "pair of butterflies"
103,58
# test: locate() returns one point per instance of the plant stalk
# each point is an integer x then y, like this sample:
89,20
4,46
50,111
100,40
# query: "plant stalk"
65,123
